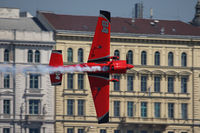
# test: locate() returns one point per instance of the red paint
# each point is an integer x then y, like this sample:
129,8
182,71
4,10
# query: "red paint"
99,56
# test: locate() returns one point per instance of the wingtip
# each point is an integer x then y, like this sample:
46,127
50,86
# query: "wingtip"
56,83
57,51
106,14
104,119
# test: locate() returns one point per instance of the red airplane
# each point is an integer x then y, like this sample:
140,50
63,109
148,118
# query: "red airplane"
99,57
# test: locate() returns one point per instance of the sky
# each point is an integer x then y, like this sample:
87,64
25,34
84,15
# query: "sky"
183,10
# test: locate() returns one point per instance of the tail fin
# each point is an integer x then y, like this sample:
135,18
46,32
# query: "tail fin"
56,60
100,49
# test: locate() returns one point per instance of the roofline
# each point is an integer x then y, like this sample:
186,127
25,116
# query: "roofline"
79,15
10,7
131,35
40,14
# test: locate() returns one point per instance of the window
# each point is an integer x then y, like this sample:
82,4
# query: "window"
183,84
70,55
116,108
129,57
129,131
143,83
157,58
6,106
184,110
144,58
37,56
70,107
80,130
34,130
102,130
170,84
116,131
70,79
157,84
116,53
6,130
34,106
184,60
170,59
130,109
80,107
6,80
30,56
143,109
6,55
80,55
157,110
171,110
70,130
130,83
117,84
34,81
80,81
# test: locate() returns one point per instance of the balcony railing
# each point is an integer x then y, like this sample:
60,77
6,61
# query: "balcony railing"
128,120
34,91
34,117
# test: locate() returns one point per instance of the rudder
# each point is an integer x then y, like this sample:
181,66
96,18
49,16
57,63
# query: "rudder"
56,60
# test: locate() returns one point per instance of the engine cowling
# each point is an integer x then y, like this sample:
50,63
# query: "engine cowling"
118,66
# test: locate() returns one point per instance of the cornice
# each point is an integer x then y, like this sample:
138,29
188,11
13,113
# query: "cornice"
134,39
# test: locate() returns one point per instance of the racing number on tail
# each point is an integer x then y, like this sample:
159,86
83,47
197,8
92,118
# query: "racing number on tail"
100,49
105,25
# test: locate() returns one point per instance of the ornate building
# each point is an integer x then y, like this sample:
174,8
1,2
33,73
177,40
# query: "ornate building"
26,99
159,95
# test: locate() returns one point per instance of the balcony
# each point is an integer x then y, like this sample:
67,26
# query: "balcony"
34,117
154,121
33,92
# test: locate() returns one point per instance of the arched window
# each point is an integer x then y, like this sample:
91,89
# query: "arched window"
37,56
80,55
116,53
129,57
6,55
70,55
170,59
30,56
184,60
144,58
157,58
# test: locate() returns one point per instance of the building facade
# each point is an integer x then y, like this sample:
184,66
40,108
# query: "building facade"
159,95
26,97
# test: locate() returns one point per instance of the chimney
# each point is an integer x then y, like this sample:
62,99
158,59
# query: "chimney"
139,10
151,13
133,15
9,12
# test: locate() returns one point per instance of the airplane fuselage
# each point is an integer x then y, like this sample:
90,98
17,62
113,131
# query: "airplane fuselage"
115,66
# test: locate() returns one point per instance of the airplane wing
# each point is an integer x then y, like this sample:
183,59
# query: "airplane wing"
100,49
99,84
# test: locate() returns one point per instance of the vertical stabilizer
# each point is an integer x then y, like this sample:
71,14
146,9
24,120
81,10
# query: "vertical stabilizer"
56,60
